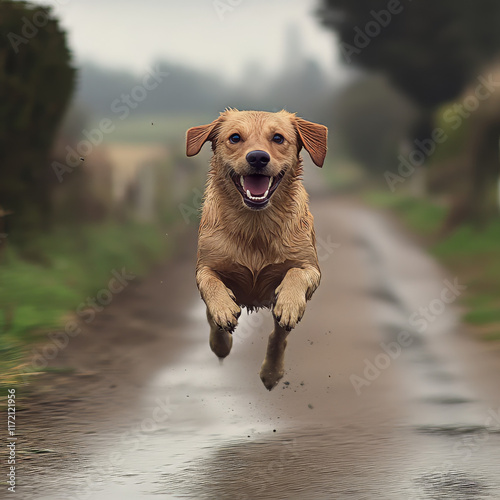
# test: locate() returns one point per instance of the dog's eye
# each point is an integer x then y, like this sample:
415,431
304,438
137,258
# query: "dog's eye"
278,139
233,139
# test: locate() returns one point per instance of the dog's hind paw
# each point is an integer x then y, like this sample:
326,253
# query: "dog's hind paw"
221,342
271,374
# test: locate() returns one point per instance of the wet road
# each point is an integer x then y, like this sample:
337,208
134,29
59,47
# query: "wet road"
385,396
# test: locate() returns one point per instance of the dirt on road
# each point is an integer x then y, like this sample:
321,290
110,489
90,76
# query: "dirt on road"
381,398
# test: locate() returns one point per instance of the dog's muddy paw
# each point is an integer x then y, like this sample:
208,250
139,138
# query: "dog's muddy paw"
288,308
270,375
225,314
226,320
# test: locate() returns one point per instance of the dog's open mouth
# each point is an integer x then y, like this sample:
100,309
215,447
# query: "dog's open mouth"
256,189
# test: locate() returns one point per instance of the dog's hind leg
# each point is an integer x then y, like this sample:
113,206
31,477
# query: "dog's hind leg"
221,340
273,368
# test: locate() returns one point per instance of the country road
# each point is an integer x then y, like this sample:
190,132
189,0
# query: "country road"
385,394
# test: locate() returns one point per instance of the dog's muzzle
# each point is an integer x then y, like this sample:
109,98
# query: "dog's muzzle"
256,189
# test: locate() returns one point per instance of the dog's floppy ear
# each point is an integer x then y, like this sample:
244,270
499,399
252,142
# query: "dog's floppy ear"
197,136
314,139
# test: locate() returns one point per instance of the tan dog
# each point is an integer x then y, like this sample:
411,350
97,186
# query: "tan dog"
256,245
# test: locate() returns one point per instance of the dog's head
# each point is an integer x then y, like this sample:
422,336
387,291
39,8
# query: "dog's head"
257,150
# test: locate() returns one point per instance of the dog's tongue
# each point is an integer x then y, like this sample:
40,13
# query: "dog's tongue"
256,184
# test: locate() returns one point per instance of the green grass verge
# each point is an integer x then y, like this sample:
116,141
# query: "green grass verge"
57,272
421,216
470,253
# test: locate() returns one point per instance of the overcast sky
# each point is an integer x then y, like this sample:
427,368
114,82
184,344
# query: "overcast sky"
132,34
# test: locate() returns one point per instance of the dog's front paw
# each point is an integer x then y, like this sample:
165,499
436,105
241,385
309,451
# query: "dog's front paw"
289,307
224,312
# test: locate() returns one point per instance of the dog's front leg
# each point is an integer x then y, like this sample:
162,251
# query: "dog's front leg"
222,310
295,290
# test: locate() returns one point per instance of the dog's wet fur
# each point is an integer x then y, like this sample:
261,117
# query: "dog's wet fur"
256,244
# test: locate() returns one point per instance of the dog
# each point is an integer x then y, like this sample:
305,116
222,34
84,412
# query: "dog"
256,240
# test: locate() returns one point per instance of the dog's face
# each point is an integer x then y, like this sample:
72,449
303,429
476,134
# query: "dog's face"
256,150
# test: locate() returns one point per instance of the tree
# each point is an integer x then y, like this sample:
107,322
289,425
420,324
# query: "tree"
372,120
430,51
36,82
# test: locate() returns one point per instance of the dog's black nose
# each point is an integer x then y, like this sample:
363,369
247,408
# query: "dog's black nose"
258,159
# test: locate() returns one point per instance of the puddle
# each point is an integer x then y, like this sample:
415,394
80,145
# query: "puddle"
452,486
456,430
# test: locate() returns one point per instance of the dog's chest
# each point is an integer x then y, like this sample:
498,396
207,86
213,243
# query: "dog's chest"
251,263
254,287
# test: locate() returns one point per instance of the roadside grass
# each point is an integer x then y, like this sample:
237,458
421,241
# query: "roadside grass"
472,254
48,280
424,217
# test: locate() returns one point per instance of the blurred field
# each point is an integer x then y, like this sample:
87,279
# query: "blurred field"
158,128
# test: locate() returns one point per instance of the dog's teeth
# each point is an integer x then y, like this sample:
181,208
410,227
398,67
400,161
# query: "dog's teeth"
270,182
242,181
257,198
